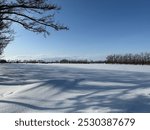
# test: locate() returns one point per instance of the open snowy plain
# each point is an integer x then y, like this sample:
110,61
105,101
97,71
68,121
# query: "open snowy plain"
74,88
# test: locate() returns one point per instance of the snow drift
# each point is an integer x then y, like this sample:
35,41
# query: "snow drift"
74,88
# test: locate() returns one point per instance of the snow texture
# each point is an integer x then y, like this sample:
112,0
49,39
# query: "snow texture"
74,88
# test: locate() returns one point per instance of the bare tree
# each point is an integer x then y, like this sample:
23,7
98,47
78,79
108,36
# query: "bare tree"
142,58
5,33
34,15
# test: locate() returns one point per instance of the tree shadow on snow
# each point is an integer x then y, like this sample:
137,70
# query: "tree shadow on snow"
89,90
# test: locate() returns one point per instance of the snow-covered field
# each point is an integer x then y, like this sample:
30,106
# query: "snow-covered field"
74,88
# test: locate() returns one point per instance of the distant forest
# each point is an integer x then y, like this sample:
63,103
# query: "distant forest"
142,58
63,61
137,59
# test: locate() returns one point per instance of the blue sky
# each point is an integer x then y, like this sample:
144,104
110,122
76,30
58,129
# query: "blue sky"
97,28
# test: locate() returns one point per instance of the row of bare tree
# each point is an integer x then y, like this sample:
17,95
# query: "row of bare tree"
142,58
63,61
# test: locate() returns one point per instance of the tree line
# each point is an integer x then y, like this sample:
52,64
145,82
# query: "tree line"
142,58
63,61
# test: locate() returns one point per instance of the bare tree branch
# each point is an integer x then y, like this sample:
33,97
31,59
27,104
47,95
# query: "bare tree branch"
34,15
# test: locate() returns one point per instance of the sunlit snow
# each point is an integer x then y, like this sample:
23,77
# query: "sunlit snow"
74,88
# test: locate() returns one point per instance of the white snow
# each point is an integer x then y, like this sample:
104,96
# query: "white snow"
74,88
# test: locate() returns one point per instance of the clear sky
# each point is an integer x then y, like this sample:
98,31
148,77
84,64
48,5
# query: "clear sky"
97,28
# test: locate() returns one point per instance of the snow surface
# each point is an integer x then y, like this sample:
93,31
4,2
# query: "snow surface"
74,88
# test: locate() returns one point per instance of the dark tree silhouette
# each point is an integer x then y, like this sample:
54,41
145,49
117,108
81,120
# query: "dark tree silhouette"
34,15
142,58
5,32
